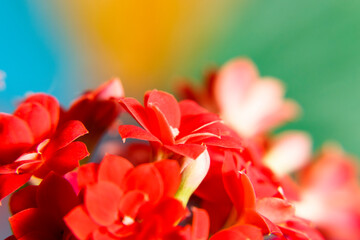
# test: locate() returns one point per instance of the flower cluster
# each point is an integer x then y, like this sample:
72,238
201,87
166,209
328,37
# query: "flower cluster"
206,167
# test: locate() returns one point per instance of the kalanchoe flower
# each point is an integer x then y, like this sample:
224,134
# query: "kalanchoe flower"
273,215
330,194
288,152
97,110
183,128
249,103
39,210
122,201
33,143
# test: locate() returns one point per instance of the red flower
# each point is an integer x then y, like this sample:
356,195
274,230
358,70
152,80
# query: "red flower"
183,128
273,215
39,210
34,143
122,201
97,110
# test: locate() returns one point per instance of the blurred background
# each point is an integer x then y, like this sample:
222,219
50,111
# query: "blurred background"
65,47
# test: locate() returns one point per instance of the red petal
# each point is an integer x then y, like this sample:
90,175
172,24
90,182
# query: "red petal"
50,103
113,169
80,223
170,210
131,131
101,201
56,196
239,232
200,224
299,228
229,234
160,125
23,199
33,220
131,202
275,209
22,166
10,182
38,119
193,123
170,174
218,213
136,110
87,174
237,185
110,89
189,107
267,227
188,150
67,158
66,134
167,105
145,178
224,141
15,137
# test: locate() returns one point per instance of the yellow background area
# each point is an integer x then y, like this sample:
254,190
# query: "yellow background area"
146,43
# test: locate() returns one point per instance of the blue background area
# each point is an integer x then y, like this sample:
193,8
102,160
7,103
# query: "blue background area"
25,57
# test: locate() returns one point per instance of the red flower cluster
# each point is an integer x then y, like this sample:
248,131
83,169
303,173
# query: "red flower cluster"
191,172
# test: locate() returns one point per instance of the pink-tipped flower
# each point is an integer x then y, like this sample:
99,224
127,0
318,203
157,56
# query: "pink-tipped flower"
331,194
250,104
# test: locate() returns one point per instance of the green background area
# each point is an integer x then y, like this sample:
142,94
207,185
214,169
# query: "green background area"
313,46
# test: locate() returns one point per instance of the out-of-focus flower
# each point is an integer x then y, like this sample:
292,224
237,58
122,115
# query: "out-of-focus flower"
330,194
288,152
183,128
247,102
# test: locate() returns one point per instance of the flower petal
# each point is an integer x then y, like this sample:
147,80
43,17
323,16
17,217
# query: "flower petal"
32,220
192,151
133,107
238,186
167,105
67,158
32,113
113,169
56,196
130,203
10,182
200,224
87,174
23,198
146,178
101,201
48,102
15,137
170,174
66,134
80,222
131,131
